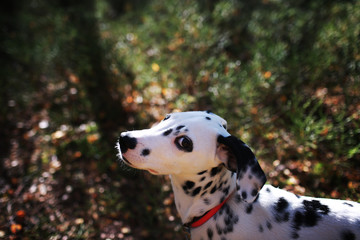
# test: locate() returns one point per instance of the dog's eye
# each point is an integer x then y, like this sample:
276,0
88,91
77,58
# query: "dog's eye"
184,143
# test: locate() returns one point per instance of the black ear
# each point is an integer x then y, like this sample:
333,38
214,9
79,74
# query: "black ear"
239,158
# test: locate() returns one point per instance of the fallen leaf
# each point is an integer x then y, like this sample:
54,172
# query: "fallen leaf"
77,154
125,230
267,74
15,228
20,214
92,138
79,221
57,134
155,67
73,78
325,131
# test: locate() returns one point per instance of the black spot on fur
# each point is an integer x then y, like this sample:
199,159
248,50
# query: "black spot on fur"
145,152
228,210
268,225
226,190
316,205
214,171
202,172
237,198
235,219
196,191
222,199
348,204
295,235
254,192
313,209
206,201
167,132
249,208
189,184
221,211
185,189
167,117
281,205
208,185
207,118
213,189
243,194
298,220
179,127
230,228
268,190
284,217
261,229
210,233
218,229
347,235
226,214
281,215
227,220
225,207
202,179
309,214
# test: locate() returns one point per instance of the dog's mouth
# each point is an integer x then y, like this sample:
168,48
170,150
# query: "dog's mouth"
120,155
126,161
152,171
122,158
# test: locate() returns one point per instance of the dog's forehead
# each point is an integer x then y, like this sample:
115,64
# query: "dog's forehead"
192,122
194,117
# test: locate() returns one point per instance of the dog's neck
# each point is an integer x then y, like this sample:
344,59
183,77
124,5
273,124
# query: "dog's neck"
198,193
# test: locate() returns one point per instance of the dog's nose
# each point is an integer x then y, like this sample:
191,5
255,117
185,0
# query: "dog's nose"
126,142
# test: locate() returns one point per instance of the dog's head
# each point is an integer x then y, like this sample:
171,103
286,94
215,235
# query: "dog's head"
190,142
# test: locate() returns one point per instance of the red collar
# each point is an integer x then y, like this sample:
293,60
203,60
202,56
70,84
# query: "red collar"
198,221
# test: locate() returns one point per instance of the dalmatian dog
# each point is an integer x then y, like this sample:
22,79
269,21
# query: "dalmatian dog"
219,185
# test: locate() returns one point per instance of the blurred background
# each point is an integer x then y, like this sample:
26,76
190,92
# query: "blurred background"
74,74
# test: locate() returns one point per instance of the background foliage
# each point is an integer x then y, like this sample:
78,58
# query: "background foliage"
74,74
